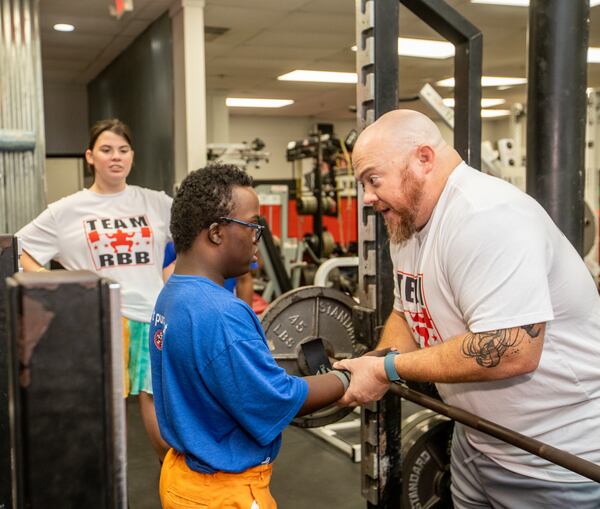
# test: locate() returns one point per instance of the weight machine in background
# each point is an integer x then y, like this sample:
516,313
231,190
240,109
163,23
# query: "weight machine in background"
305,230
322,171
314,174
242,154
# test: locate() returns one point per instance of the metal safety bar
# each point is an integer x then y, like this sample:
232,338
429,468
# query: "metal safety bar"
376,94
552,454
556,110
468,58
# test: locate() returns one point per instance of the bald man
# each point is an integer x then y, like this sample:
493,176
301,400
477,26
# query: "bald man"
494,305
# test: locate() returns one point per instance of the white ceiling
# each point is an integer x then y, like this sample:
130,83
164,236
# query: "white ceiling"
266,38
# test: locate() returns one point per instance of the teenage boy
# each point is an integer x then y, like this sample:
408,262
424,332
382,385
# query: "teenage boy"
221,399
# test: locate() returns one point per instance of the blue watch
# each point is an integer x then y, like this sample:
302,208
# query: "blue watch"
390,368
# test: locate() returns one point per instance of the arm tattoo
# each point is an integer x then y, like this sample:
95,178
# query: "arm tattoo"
488,348
532,329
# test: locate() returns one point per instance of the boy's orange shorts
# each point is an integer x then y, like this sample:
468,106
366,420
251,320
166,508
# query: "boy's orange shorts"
182,487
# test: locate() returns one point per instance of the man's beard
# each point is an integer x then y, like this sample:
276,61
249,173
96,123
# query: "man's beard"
402,224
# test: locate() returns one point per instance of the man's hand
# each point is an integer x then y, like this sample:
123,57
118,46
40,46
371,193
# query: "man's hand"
368,383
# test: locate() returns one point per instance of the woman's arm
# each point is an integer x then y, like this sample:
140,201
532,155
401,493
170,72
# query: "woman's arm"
29,264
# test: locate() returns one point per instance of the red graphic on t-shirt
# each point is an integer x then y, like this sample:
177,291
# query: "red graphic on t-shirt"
422,330
121,241
158,339
415,309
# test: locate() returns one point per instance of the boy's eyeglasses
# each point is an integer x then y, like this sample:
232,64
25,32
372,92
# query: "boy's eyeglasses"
258,228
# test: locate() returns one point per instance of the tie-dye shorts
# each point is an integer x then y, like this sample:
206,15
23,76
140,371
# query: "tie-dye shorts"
137,357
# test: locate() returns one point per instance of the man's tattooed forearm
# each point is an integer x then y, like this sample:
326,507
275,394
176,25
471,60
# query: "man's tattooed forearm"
488,348
533,330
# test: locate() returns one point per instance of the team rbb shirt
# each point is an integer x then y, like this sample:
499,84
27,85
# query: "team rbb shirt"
120,236
491,258
119,241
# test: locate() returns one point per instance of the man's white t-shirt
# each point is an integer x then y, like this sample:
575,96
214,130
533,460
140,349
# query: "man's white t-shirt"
491,258
120,236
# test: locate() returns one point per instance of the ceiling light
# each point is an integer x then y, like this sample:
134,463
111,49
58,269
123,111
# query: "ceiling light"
485,103
423,48
593,56
518,3
320,76
63,27
246,102
487,81
494,113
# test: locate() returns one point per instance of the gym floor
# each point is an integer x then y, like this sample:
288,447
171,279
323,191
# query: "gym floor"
308,472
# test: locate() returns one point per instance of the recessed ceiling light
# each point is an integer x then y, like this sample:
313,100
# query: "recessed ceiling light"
485,103
423,48
320,76
63,27
494,113
487,81
247,102
518,3
593,56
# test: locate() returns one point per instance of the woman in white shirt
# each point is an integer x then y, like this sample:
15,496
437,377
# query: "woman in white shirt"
117,231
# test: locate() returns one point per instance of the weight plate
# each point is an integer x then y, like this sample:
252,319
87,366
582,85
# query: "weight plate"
426,439
328,244
305,314
306,205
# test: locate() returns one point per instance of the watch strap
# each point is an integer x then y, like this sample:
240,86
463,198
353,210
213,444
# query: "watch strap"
390,367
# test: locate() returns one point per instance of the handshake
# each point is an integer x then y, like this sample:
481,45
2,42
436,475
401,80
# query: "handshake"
365,378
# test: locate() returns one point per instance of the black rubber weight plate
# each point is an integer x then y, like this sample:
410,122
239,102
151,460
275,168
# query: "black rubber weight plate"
425,440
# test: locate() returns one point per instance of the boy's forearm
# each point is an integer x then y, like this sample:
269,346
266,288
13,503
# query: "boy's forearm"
323,390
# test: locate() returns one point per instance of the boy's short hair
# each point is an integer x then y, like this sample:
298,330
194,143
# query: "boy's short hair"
204,196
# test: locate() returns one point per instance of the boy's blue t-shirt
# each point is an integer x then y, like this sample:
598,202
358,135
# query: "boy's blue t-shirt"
170,257
220,397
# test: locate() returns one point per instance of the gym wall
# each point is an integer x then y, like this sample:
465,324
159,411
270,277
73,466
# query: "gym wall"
65,118
137,87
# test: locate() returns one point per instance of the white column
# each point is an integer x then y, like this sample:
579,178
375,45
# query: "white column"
187,17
